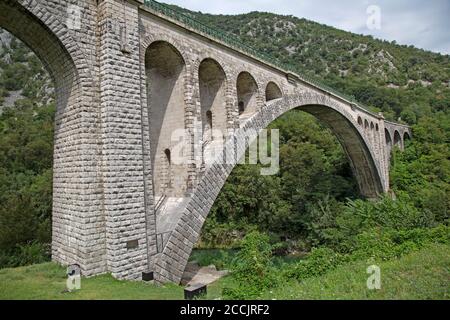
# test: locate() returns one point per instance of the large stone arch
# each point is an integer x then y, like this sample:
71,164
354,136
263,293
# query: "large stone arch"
189,76
76,173
165,73
175,255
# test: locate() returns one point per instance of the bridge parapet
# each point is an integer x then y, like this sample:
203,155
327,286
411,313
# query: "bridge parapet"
231,41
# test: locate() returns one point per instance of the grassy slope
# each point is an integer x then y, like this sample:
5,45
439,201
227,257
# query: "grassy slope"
48,281
421,275
424,274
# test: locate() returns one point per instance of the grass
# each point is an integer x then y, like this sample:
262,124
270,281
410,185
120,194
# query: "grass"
48,281
424,274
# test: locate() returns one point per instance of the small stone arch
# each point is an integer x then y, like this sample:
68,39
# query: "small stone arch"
406,136
397,139
212,82
273,91
247,91
388,141
148,40
202,56
388,138
360,122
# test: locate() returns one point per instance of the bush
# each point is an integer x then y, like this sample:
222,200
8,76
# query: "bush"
252,267
321,221
339,228
381,244
23,255
374,243
32,253
389,244
318,262
215,234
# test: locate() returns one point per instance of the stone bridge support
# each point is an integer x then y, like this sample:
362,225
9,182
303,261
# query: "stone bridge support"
127,75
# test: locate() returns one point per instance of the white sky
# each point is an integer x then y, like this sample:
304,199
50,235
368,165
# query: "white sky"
424,24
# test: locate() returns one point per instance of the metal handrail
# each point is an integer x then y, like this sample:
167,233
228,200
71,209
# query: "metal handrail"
160,203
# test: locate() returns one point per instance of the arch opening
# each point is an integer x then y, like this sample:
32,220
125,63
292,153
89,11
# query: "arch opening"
397,139
355,146
164,69
30,22
247,92
212,83
47,47
273,91
388,138
168,172
406,136
208,127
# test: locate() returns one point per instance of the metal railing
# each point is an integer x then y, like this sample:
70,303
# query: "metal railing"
160,202
235,43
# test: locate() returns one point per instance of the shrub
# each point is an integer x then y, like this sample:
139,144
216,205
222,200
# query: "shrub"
321,221
339,228
32,253
376,243
215,234
318,262
388,243
252,267
21,255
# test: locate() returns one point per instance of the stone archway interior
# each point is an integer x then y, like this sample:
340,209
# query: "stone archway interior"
212,87
164,68
273,91
247,90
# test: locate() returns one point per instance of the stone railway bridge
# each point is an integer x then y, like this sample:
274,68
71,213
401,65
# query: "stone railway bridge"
128,73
